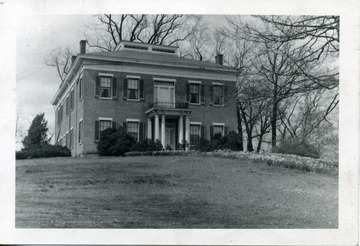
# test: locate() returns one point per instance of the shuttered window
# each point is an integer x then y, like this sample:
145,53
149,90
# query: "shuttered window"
195,134
218,95
132,128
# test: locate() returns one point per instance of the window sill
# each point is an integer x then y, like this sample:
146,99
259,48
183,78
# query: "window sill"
105,98
215,105
195,104
133,100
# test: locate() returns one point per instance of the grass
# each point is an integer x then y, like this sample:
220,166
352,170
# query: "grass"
171,192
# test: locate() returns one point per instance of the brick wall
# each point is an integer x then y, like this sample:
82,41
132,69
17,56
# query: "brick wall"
120,109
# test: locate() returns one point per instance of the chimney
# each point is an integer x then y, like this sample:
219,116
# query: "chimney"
83,46
73,59
219,59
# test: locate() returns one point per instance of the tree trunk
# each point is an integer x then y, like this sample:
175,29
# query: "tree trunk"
240,131
274,116
258,148
250,146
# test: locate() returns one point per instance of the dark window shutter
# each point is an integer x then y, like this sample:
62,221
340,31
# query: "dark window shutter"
141,131
97,135
211,131
211,95
225,95
188,92
125,89
202,94
124,127
97,86
114,125
141,89
226,130
114,89
203,132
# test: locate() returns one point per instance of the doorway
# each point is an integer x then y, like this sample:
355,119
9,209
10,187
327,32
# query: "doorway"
170,135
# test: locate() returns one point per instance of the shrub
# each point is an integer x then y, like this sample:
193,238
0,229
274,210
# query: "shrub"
123,144
147,145
297,147
204,145
44,151
233,141
168,147
108,139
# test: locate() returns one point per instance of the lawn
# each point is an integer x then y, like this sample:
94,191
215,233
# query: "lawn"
171,192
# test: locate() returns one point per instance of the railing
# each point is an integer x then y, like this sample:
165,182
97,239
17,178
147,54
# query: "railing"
178,104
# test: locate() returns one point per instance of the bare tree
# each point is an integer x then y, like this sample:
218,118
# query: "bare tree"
61,60
287,67
301,117
109,30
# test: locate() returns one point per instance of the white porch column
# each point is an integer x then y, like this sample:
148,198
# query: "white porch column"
149,129
157,127
163,131
181,129
187,131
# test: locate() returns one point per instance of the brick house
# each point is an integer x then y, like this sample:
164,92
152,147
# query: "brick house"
149,91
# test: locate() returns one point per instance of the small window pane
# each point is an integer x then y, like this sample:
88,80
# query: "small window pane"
104,124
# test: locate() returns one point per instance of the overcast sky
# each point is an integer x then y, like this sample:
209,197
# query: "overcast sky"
37,83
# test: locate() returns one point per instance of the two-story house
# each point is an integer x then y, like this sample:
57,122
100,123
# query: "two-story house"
150,91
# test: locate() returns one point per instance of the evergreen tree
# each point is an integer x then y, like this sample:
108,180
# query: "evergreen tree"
37,136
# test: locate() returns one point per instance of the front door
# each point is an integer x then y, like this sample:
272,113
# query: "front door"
170,135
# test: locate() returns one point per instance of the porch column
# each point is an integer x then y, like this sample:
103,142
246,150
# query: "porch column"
181,129
149,129
187,131
163,131
157,127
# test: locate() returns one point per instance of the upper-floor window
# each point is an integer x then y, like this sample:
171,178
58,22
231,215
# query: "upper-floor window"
105,87
133,89
218,95
60,113
195,93
67,110
72,99
80,88
71,138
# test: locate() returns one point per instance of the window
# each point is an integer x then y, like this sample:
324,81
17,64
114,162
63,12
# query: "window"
133,89
105,87
80,131
218,129
67,110
72,100
218,94
71,138
133,129
60,113
195,134
104,124
80,88
163,50
67,143
135,47
195,93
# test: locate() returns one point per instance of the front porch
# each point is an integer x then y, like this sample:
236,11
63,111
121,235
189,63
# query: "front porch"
169,123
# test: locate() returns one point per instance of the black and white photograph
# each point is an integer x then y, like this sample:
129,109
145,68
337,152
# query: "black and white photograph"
184,121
